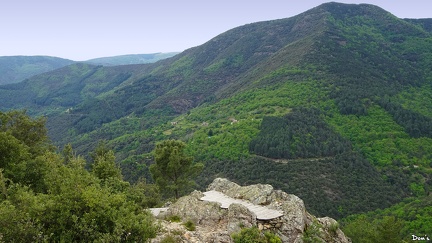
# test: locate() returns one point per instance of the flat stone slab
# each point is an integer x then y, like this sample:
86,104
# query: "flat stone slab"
157,211
262,212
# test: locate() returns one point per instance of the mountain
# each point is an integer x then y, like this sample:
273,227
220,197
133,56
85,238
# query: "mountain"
423,23
130,59
14,69
64,88
332,105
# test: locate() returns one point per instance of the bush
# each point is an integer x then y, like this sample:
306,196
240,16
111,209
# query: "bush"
312,233
333,228
189,225
254,235
174,218
169,239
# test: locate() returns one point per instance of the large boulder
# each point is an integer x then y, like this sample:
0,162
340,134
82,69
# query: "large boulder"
192,208
214,224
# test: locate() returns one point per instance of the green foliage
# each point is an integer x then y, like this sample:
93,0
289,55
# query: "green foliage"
53,197
387,229
416,99
312,233
300,134
230,140
415,124
143,194
254,235
169,239
31,132
174,218
370,56
189,225
360,230
104,167
406,218
333,228
386,145
335,187
173,171
59,91
271,237
22,141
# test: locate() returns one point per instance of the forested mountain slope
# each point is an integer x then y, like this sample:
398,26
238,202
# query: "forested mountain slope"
424,23
332,105
14,69
64,88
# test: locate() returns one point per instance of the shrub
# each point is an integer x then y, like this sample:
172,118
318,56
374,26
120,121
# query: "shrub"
254,235
168,239
174,218
189,225
333,228
312,233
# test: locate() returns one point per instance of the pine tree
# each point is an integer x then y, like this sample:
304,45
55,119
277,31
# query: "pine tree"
173,171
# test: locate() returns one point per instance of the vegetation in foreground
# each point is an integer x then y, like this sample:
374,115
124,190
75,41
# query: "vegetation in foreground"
45,196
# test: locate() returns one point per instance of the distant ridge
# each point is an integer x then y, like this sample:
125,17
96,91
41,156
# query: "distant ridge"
14,69
131,59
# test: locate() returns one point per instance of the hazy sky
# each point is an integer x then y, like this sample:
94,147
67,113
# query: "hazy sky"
84,29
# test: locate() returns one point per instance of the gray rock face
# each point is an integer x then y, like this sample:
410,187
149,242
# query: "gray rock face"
239,216
215,224
222,185
197,211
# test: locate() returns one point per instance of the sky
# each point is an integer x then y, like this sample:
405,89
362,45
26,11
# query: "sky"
83,29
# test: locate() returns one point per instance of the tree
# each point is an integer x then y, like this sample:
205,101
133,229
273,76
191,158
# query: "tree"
173,170
30,132
389,229
105,168
48,197
386,229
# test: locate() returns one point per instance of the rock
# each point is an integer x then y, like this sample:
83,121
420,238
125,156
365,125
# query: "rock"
294,219
222,185
257,194
214,224
199,212
331,231
239,216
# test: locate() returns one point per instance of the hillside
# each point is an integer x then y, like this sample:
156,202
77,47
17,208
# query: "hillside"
64,88
130,59
14,69
332,105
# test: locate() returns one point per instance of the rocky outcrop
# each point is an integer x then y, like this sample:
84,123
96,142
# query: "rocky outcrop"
215,224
